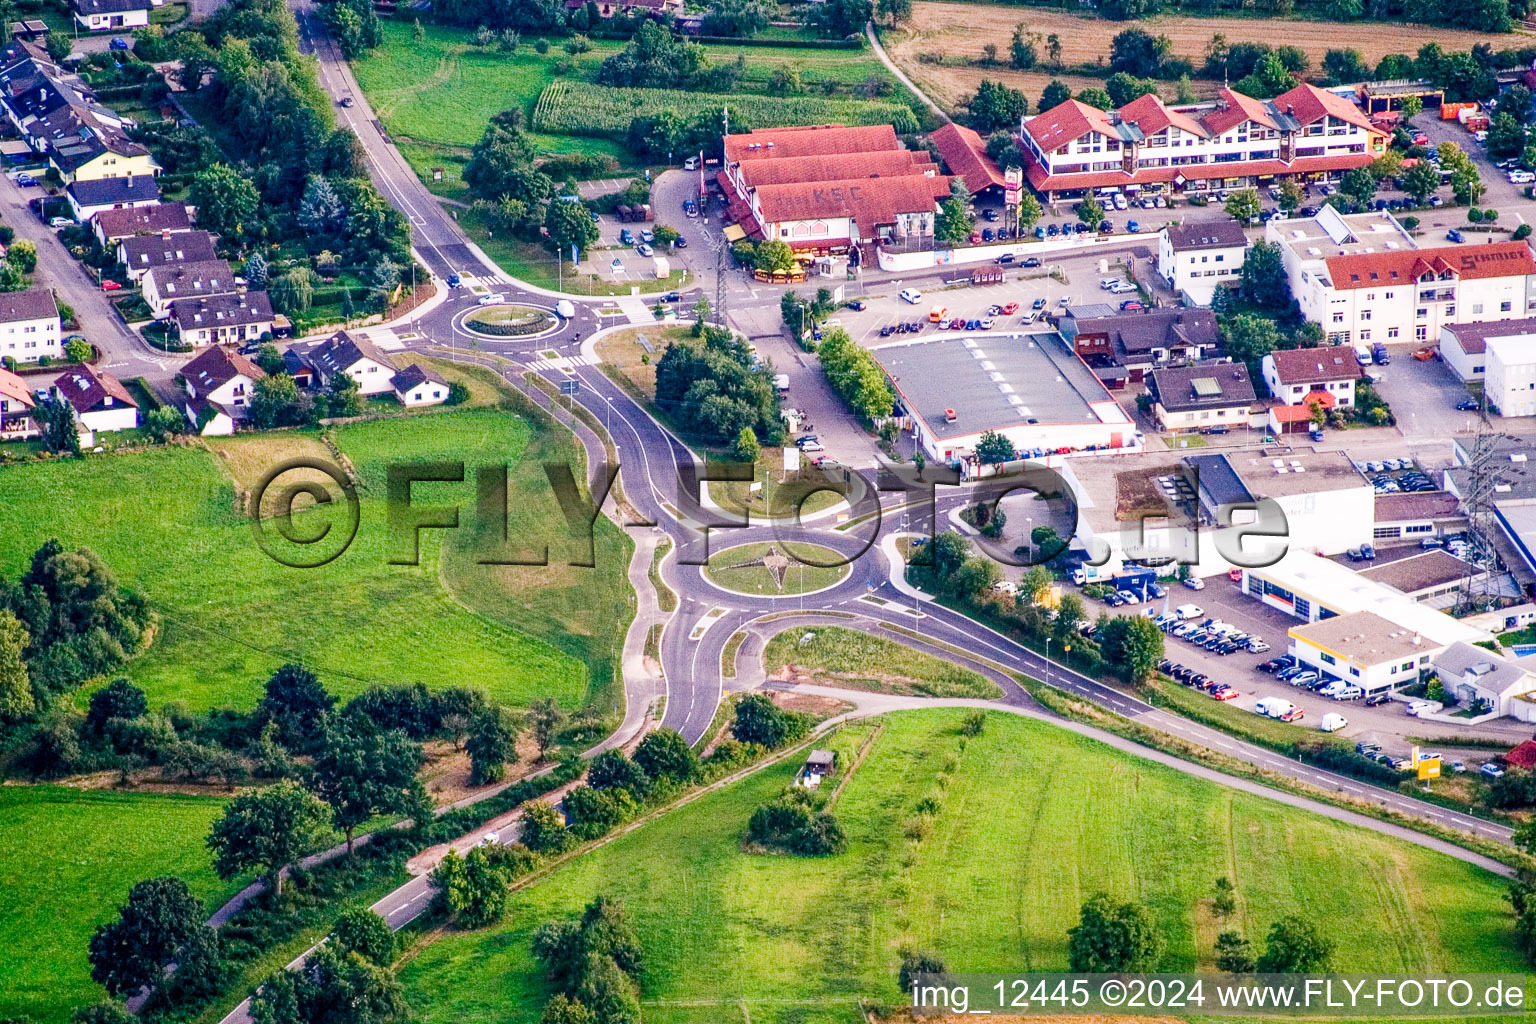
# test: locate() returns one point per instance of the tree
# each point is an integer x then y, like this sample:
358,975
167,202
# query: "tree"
994,448
664,754
894,12
1506,135
1250,338
59,432
954,222
1137,52
1232,953
296,702
1244,206
16,700
855,375
1021,50
1095,98
160,916
569,223
1270,78
743,18
293,291
474,887
23,255
1133,644
1070,616
1387,167
1467,185
118,699
1054,94
542,830
331,987
1359,185
976,575
225,200
561,1009
1295,946
774,255
1421,180
365,933
1028,211
996,107
745,447
267,830
759,720
1090,212
492,743
1264,278
1344,66
916,963
1124,88
1114,936
838,19
1412,106
362,770
544,720
612,769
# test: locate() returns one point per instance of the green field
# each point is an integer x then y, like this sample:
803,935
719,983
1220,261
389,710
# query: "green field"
1034,820
169,524
734,569
67,860
850,657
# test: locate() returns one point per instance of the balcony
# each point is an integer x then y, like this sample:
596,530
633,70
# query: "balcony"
1441,295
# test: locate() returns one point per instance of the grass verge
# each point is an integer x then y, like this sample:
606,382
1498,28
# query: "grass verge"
847,657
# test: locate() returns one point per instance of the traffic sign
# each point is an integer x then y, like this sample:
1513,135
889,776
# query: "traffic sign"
570,387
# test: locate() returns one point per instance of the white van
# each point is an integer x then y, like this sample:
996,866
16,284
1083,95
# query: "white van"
1363,354
1274,707
911,295
493,299
565,308
1188,611
691,164
1332,722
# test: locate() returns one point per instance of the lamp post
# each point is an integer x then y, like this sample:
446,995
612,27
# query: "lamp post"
1047,661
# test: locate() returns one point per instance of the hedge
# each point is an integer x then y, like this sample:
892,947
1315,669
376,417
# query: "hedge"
502,329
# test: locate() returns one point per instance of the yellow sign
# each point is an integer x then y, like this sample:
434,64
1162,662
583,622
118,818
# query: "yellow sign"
1429,768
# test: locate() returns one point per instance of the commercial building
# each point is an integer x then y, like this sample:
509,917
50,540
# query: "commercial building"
828,188
1433,577
1306,133
99,400
1196,259
1365,280
1031,388
1202,397
1126,345
1510,483
1464,347
965,154
1413,516
1364,649
29,325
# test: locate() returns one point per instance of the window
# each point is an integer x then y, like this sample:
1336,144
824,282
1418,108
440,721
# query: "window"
1326,658
1423,312
1504,306
1338,318
1354,671
1391,331
1477,307
1421,332
1418,529
1385,532
1365,314
1365,335
1303,608
1407,666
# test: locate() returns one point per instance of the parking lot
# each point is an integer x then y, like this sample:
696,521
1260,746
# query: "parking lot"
1423,397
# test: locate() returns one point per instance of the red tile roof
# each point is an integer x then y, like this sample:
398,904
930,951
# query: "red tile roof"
814,140
1238,108
1315,366
882,163
966,154
14,388
1152,115
1065,122
1043,181
869,201
1468,262
1307,103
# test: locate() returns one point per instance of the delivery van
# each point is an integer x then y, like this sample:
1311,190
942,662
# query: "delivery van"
1274,707
936,314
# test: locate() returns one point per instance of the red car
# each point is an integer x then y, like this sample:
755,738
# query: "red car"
109,285
957,324
1235,575
1293,715
1010,309
1224,693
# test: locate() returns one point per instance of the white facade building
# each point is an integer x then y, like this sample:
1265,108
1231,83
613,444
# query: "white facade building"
1196,259
29,326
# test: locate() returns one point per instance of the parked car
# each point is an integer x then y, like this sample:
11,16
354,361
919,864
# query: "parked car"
109,285
1037,304
1194,583
60,222
1031,261
1466,405
1293,715
1375,700
26,180
1454,236
118,43
910,295
1009,309
1491,770
626,237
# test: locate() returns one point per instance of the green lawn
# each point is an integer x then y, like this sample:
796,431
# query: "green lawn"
67,860
1033,820
169,524
532,262
850,657
734,569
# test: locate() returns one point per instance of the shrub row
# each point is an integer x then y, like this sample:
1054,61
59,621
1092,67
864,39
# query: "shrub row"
502,329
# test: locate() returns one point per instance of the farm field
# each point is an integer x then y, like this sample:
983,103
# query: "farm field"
436,95
169,524
1012,854
850,657
100,843
960,30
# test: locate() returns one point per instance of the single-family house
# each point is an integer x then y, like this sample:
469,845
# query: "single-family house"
163,285
111,226
1129,344
1481,679
16,405
220,385
1204,397
100,400
354,355
139,254
222,319
90,197
1301,378
111,15
417,385
29,325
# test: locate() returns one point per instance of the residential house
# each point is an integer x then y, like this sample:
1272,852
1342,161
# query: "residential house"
354,355
417,385
90,197
100,401
297,365
1481,679
1127,345
630,8
16,405
220,385
1207,397
139,254
1304,134
1302,376
111,15
29,325
163,285
112,226
1196,259
222,319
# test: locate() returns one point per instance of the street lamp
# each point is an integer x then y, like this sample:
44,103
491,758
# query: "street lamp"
1047,661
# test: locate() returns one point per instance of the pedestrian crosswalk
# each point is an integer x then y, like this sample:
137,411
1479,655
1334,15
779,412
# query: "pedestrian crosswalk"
635,309
566,363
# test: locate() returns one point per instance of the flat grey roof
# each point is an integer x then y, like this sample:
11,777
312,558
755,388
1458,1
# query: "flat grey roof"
993,382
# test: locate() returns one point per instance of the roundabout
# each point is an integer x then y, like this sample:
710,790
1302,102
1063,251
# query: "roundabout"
508,321
777,569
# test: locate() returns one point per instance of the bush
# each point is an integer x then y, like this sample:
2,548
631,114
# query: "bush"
1522,233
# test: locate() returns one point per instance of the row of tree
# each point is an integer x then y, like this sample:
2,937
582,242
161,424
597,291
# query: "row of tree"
714,388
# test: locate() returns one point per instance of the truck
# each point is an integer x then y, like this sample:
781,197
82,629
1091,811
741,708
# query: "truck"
1273,707
1137,580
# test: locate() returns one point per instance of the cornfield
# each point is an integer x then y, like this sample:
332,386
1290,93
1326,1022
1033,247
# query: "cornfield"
582,108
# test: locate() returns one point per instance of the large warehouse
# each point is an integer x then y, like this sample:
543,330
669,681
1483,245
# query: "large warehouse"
1031,388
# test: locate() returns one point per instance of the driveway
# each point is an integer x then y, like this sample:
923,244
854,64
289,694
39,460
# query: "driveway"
1423,396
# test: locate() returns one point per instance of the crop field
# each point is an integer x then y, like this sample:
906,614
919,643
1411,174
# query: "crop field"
98,845
584,108
170,524
1012,853
960,30
850,657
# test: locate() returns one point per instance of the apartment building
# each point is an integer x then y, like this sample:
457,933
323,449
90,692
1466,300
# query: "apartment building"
1307,133
29,326
1196,259
1365,280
